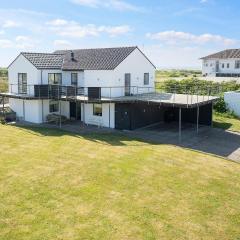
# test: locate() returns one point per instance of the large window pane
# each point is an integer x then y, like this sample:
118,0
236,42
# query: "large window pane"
146,78
22,83
55,78
58,78
51,78
53,106
97,110
74,79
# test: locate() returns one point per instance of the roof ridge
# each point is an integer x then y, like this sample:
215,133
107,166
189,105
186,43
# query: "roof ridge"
76,49
41,53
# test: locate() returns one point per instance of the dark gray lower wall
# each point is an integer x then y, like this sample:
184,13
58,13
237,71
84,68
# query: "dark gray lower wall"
137,115
130,116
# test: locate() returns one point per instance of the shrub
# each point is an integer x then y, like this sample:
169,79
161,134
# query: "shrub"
220,106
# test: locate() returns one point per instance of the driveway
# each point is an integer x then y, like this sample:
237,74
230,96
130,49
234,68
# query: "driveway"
210,140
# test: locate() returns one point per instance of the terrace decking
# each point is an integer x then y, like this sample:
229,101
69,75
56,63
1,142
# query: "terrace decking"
165,99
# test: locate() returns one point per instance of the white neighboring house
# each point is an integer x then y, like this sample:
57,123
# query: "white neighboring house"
35,80
222,64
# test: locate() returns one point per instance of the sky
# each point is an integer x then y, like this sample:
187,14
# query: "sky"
173,34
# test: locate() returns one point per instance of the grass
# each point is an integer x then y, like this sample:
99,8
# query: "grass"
162,75
57,185
226,121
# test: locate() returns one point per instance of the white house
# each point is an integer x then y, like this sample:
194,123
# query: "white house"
222,64
36,78
110,87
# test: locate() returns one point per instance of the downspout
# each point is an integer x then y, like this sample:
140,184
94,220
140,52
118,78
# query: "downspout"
42,99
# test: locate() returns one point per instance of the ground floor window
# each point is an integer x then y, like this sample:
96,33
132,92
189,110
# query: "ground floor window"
53,106
97,110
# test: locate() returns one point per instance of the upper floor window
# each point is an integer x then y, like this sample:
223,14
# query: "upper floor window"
55,78
74,79
223,65
206,64
146,78
228,65
237,64
97,109
53,106
22,83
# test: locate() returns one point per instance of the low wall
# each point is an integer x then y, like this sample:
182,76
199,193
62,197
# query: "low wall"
233,101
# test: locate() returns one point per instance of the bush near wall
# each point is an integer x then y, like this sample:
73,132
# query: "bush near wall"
196,86
3,80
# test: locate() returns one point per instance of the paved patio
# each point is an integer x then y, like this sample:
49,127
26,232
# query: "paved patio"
210,140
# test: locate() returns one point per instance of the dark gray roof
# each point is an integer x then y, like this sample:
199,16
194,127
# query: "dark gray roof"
229,53
95,59
45,60
84,59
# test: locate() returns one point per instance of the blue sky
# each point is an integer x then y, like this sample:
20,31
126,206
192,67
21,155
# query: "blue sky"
174,34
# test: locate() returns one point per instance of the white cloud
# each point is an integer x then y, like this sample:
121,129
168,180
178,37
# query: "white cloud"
111,4
5,43
62,44
114,31
203,1
2,32
73,29
10,24
20,43
176,38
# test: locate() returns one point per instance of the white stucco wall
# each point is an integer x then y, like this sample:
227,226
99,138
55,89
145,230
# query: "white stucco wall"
22,65
233,101
35,111
89,118
136,64
17,106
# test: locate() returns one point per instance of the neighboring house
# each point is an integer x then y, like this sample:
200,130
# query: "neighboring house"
109,72
109,87
232,99
222,64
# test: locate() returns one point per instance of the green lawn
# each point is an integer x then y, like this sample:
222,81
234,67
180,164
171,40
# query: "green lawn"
56,185
226,122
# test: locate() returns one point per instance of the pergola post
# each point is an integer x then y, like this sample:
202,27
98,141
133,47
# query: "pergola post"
197,119
4,107
60,115
180,125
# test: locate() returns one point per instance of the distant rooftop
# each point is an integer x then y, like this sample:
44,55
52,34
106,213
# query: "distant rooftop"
226,54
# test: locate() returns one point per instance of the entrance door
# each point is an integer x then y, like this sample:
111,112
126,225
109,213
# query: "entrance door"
75,110
122,117
127,84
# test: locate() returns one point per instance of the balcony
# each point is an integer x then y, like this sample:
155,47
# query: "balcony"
47,91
